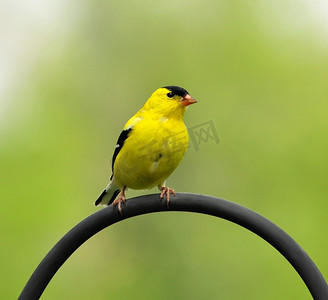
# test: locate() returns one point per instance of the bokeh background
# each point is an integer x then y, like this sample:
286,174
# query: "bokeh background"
73,72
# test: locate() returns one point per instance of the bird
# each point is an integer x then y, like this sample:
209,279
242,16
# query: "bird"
150,147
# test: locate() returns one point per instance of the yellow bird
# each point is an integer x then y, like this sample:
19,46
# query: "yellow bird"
150,147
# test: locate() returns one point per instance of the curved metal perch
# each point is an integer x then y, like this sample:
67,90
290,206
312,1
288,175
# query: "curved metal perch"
182,202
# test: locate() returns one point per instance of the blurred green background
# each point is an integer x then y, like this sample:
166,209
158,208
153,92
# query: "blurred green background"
73,73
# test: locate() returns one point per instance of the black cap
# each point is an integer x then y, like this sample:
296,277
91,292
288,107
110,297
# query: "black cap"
176,90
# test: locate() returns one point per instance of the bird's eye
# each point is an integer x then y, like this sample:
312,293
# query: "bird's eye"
170,94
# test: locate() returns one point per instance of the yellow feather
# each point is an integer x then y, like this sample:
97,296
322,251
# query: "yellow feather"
157,144
154,143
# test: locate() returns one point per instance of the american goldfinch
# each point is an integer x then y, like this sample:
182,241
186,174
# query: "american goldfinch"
150,147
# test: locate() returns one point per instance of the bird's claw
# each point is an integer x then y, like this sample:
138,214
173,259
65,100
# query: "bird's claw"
167,191
119,200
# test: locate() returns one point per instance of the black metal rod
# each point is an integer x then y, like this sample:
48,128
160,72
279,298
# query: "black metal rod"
182,202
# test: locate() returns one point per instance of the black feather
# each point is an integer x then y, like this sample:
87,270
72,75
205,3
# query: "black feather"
176,90
100,197
120,142
110,200
113,197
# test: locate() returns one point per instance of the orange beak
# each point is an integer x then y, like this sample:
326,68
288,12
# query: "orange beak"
187,100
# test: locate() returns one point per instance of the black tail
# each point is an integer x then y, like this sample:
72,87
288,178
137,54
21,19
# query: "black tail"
107,198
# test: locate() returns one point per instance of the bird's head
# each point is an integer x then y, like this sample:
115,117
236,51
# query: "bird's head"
170,100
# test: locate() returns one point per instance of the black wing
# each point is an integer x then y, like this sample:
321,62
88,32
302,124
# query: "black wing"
120,142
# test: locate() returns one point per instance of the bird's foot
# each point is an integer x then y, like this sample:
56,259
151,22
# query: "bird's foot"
119,200
167,191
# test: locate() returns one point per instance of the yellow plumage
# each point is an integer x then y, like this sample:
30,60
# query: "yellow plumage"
151,146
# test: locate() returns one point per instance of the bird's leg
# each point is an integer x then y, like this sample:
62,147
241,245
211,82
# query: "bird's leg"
121,198
166,191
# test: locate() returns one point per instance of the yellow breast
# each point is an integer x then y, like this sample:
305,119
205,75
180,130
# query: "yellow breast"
151,153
